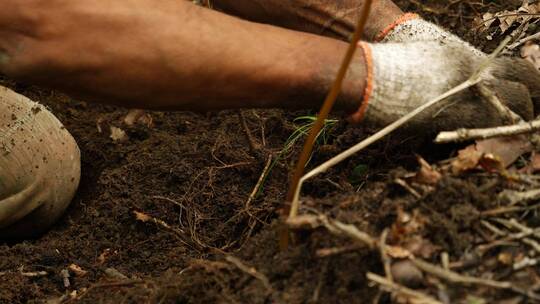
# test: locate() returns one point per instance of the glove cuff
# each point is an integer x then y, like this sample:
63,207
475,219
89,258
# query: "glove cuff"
358,116
394,25
411,27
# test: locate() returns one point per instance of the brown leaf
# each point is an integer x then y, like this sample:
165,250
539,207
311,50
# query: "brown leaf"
507,149
427,174
398,252
142,217
102,258
533,166
506,21
467,159
494,154
535,163
77,270
118,135
491,163
137,116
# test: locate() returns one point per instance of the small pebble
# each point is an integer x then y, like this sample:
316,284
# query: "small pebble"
407,274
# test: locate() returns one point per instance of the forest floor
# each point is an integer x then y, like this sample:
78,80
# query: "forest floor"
166,215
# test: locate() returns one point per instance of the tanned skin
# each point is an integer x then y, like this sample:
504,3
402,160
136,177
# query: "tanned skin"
172,54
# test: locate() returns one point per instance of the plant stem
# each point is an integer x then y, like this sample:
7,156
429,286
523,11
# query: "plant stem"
323,114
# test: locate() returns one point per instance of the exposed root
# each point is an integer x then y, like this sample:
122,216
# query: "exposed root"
250,271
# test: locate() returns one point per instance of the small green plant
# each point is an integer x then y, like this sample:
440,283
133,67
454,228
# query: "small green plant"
303,126
358,174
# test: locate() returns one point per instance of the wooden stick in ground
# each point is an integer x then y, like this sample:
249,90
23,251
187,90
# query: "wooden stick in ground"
473,80
486,133
323,114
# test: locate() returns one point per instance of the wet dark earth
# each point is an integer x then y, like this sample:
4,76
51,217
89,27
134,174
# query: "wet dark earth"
167,214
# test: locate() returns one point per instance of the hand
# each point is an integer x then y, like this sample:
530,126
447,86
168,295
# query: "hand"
39,167
407,75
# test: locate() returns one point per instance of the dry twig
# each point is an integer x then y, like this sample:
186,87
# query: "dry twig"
414,296
333,226
517,197
179,233
505,210
522,41
486,133
387,262
457,278
252,142
259,184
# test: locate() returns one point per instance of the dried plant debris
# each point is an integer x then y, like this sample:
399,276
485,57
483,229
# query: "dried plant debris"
502,22
118,135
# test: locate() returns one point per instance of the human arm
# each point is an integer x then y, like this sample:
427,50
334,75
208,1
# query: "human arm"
174,55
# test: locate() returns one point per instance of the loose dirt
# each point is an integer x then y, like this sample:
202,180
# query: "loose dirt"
190,175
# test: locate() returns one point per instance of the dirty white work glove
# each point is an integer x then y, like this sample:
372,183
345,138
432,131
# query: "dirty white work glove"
403,76
411,27
39,167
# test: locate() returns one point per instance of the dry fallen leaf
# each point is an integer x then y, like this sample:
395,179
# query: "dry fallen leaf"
494,154
137,116
531,52
507,149
535,163
505,258
467,159
427,174
118,135
398,252
77,270
102,258
504,20
142,217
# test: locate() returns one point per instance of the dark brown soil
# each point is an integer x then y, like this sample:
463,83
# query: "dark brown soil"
195,173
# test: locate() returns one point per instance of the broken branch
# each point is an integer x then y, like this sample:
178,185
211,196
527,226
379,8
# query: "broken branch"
486,133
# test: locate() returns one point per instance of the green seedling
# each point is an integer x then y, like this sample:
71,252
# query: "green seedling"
358,174
303,126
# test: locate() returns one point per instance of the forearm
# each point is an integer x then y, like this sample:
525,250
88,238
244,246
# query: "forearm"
322,17
183,57
230,63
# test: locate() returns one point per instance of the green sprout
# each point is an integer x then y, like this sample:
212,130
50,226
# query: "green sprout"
303,126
